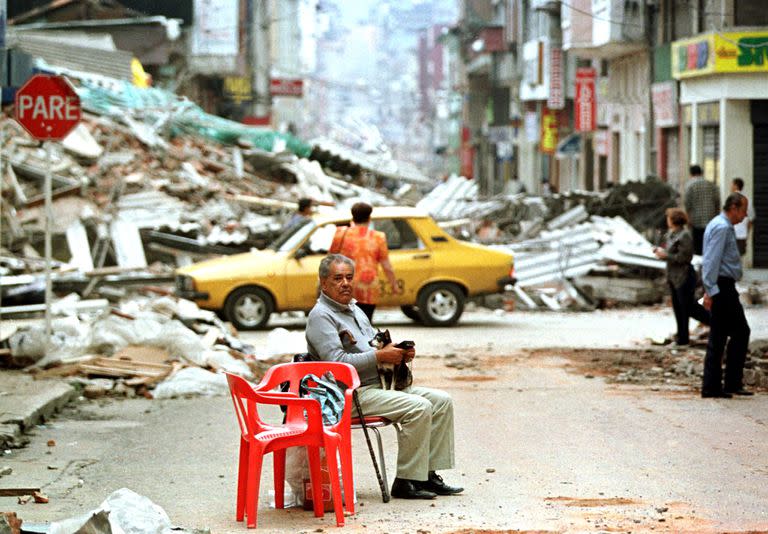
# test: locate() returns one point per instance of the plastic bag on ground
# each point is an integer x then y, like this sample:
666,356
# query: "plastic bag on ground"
192,381
296,471
125,511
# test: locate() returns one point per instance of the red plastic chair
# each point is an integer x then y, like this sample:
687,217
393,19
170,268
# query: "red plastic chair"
303,427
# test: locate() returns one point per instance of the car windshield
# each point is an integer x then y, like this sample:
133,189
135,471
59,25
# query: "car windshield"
293,236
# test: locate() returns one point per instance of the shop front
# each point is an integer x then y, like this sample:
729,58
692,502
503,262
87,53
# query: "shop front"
724,107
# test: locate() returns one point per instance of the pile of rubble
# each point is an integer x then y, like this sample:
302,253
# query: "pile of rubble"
655,366
685,366
577,250
756,367
148,182
151,344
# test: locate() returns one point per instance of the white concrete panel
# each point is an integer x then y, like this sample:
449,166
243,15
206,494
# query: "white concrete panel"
736,155
747,86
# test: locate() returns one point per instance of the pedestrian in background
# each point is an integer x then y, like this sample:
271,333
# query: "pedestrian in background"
721,269
488,232
678,252
702,203
368,249
744,227
303,213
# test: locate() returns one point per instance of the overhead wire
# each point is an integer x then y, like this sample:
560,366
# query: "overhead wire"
612,21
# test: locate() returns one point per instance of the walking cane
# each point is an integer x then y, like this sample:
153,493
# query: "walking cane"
382,485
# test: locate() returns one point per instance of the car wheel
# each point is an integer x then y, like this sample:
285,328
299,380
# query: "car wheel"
412,313
249,308
441,304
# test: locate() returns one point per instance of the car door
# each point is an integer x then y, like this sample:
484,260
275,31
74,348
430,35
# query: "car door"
411,260
300,280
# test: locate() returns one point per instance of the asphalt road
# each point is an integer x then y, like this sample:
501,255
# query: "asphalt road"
539,446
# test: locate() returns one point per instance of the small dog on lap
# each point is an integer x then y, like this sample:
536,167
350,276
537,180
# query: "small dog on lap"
392,376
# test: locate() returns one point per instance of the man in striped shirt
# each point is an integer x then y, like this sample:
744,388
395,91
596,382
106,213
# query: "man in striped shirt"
702,202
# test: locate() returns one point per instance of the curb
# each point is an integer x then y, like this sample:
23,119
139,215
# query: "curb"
28,404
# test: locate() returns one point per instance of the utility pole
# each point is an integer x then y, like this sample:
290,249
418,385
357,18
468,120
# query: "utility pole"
261,60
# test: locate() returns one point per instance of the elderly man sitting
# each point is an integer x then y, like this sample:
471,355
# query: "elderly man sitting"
337,330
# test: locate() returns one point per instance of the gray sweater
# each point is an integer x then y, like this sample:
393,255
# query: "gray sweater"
679,255
340,333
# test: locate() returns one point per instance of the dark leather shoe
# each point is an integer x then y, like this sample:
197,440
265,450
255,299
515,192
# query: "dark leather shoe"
402,488
741,392
436,485
715,395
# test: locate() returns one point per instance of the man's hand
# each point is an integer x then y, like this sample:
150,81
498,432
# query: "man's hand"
707,302
409,354
660,253
390,354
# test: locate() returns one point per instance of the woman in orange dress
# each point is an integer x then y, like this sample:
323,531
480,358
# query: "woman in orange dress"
367,248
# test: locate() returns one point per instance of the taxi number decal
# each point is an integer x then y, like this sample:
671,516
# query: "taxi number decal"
386,289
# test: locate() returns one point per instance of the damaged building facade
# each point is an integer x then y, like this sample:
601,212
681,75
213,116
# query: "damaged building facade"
588,94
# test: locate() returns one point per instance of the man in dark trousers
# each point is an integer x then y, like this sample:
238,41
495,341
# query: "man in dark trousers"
702,203
720,270
338,330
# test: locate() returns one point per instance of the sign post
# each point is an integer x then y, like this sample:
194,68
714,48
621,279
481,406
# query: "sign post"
48,108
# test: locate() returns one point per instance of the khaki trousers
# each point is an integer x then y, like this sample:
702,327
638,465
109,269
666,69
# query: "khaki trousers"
425,436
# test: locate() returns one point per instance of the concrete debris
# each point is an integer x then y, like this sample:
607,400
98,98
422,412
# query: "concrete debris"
134,346
668,366
131,192
552,269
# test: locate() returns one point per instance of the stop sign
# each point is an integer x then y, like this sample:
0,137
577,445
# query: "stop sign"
47,107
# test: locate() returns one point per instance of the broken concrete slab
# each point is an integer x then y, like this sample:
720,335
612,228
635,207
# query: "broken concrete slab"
29,402
626,290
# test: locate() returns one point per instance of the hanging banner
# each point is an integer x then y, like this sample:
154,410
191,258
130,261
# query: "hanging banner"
556,98
585,108
548,140
664,95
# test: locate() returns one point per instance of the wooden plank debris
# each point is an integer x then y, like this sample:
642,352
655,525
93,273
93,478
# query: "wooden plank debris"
17,492
142,354
111,367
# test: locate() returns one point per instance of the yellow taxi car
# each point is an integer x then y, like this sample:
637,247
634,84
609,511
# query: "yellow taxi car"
435,272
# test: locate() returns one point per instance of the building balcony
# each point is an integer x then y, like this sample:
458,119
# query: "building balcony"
487,41
614,28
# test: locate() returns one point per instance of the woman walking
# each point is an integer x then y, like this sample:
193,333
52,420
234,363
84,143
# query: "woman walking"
680,274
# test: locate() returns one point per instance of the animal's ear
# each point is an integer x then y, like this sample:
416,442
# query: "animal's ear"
386,332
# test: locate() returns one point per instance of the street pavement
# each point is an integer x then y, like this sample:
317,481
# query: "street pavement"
538,445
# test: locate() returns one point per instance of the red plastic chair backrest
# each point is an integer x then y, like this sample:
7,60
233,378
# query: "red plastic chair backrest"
246,398
294,372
